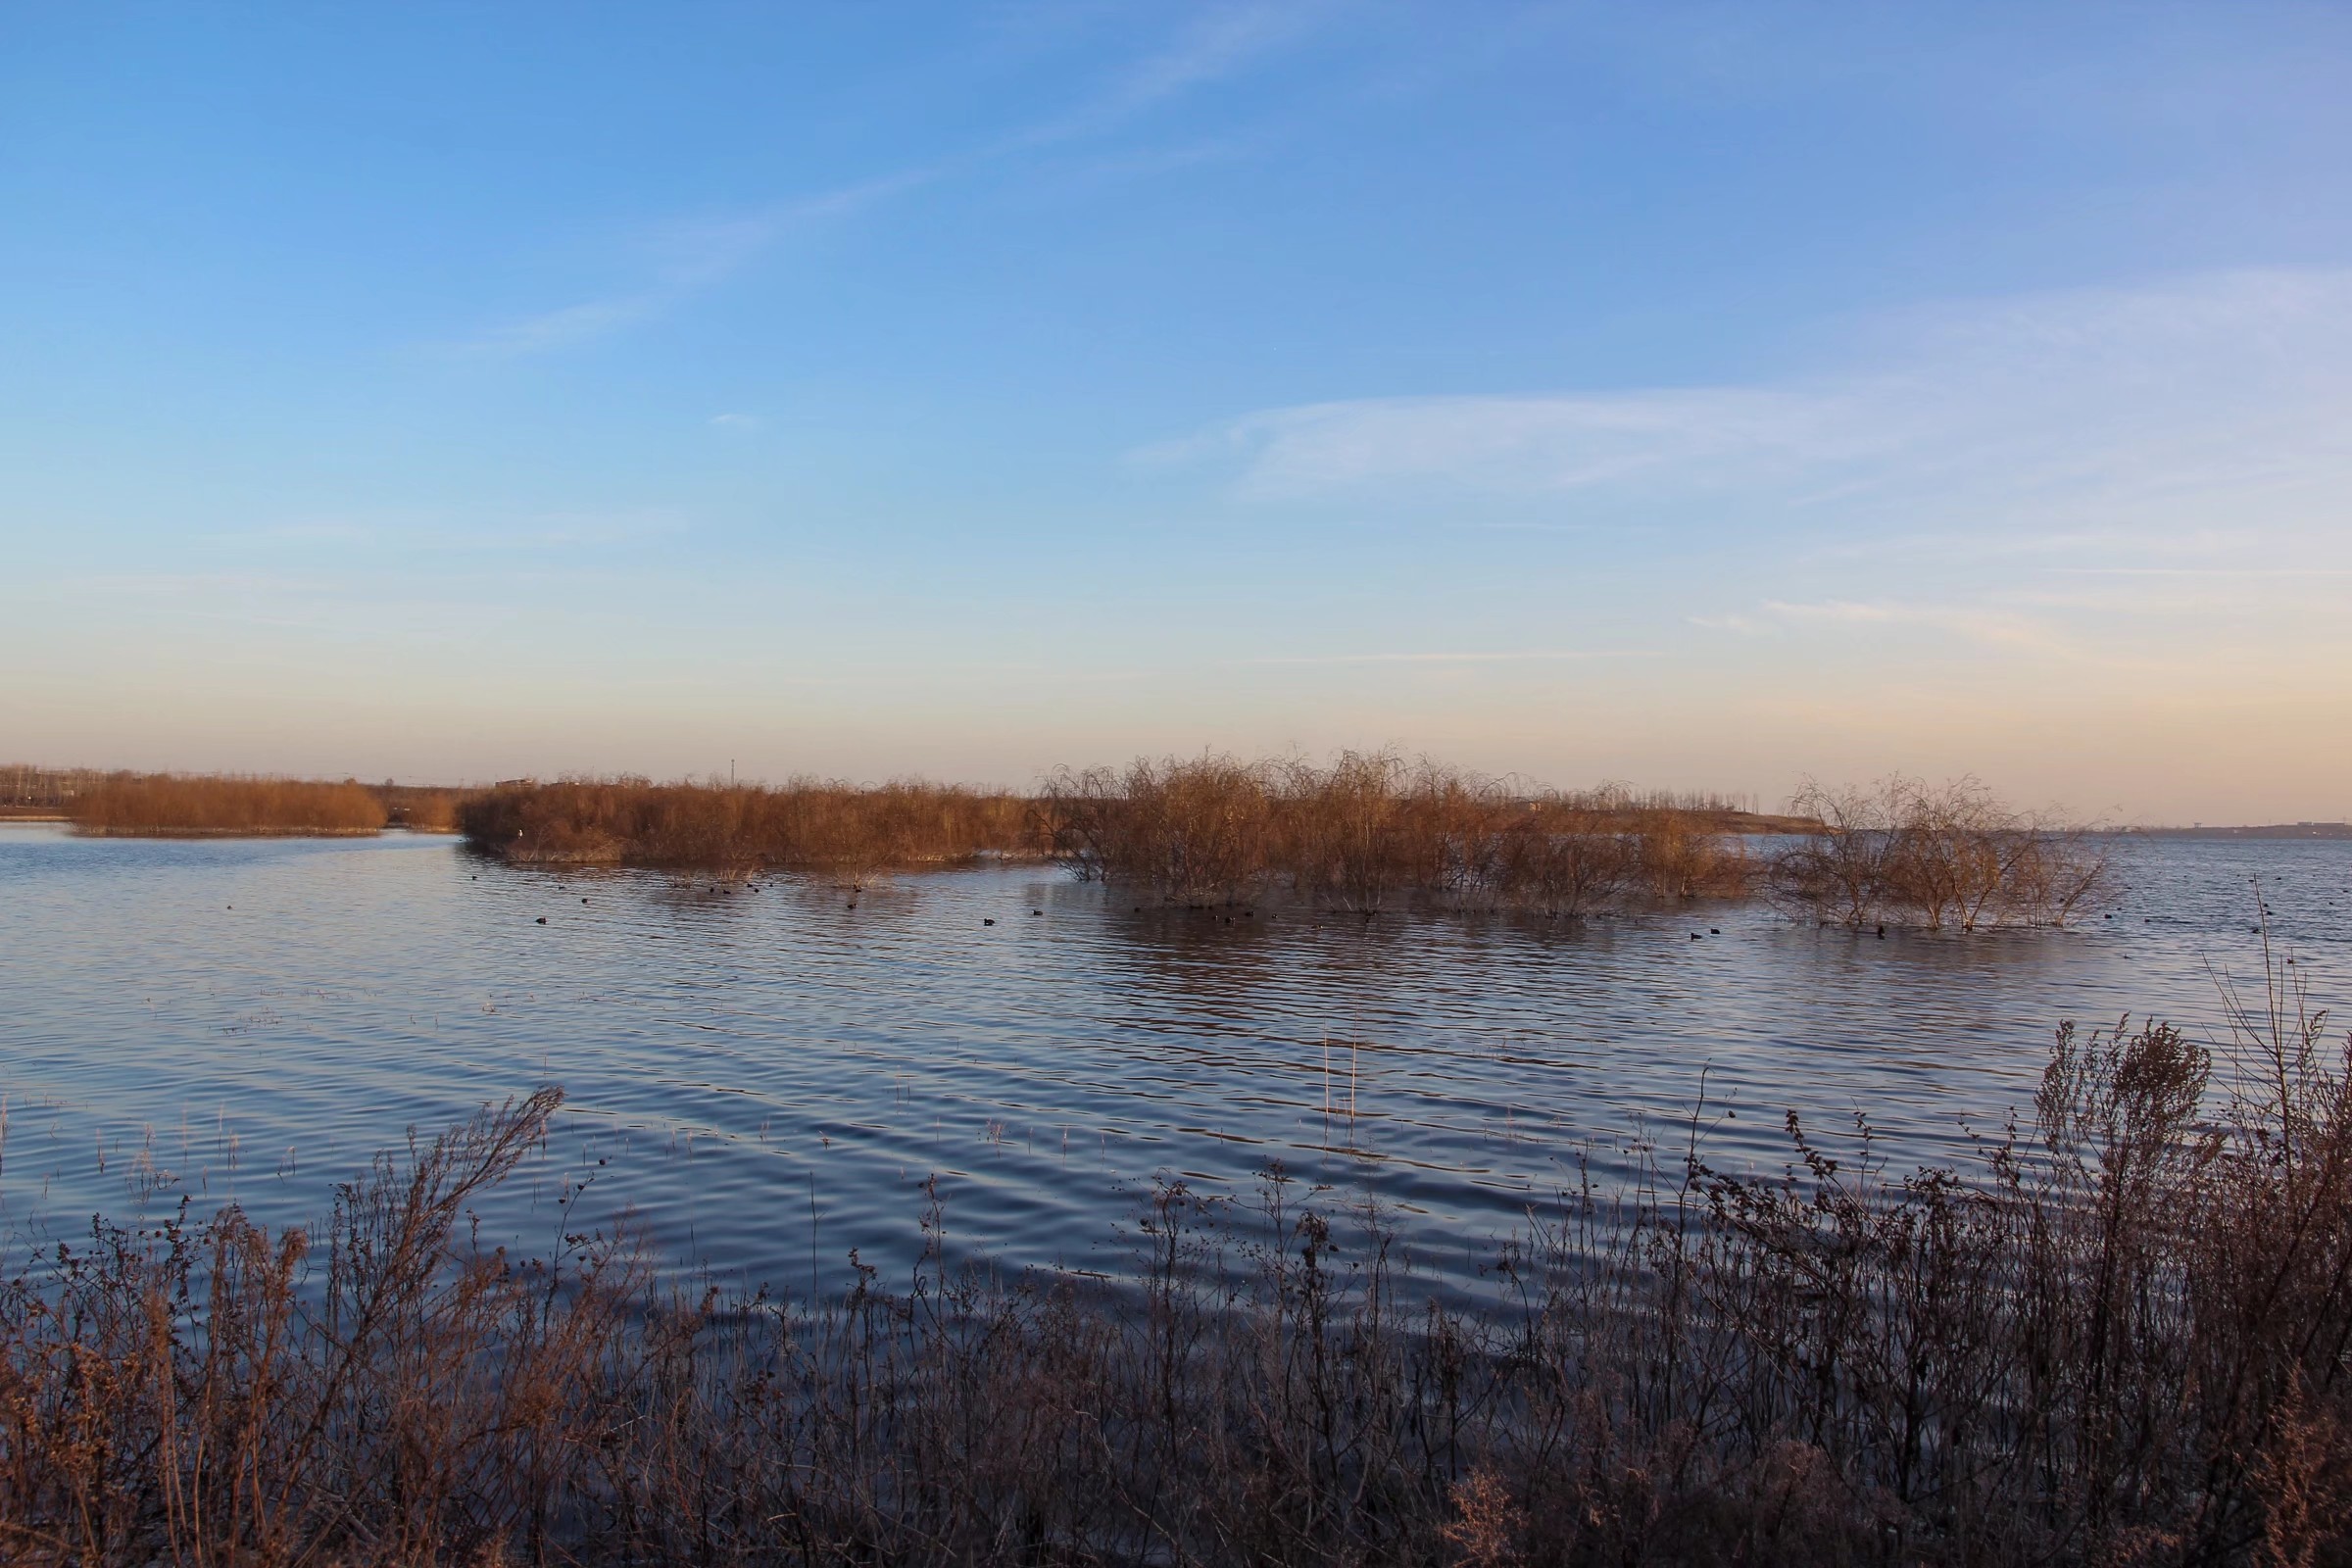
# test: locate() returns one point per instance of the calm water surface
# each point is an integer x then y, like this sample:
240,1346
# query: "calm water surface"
768,1076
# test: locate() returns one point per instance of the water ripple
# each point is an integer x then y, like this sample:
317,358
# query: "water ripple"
763,1077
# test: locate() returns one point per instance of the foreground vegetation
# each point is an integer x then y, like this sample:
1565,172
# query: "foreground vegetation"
2123,1337
222,804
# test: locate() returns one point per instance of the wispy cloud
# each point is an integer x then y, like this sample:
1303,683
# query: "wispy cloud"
2194,417
436,531
690,257
1991,626
182,584
686,257
1525,443
2166,629
561,328
2208,573
1214,43
1471,657
2151,479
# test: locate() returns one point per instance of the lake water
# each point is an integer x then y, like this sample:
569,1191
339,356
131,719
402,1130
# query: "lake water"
766,1077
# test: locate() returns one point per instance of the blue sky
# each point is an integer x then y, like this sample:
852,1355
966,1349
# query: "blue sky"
1694,395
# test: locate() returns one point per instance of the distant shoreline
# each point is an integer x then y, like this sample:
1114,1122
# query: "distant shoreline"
2274,830
227,832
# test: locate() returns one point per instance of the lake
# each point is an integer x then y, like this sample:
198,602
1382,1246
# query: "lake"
766,1078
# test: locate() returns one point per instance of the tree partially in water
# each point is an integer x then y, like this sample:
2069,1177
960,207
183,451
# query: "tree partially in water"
1905,852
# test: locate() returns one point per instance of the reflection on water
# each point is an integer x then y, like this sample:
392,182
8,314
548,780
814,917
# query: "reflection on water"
763,1074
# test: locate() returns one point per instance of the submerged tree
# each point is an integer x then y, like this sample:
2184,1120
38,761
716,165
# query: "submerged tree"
1902,851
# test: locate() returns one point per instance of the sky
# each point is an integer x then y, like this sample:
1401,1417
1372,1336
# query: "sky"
1699,396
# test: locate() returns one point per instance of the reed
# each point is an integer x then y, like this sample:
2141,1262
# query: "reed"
1365,833
2120,1336
222,804
845,830
1370,832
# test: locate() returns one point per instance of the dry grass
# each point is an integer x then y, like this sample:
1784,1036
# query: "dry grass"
2121,1339
1371,832
1902,852
845,830
222,804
